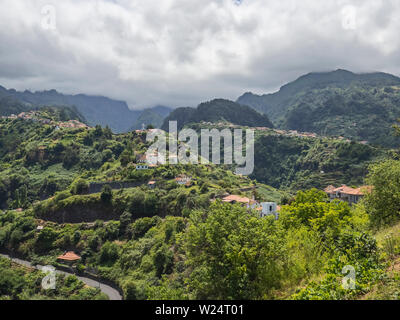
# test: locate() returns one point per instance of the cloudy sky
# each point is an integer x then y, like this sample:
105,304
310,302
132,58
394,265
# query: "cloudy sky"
183,52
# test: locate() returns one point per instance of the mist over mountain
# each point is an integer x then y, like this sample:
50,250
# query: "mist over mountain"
154,116
97,110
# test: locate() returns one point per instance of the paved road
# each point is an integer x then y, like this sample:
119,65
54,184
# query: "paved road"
109,291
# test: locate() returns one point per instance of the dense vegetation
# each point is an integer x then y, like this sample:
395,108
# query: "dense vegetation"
298,163
215,111
20,283
176,241
96,109
360,107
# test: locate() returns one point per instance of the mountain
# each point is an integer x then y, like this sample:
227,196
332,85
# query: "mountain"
218,110
96,109
154,116
357,106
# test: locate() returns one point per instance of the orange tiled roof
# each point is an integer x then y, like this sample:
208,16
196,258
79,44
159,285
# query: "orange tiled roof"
350,191
329,189
69,256
240,199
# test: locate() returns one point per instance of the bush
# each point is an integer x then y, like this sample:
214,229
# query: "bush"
106,194
80,187
109,253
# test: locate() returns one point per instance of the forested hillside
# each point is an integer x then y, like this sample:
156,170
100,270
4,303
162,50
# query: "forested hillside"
168,240
298,163
362,107
215,111
97,110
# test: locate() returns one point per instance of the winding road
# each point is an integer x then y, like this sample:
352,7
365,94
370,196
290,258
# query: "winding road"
112,293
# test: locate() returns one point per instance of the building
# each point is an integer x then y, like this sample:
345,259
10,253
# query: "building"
151,184
348,194
183,180
69,257
269,209
250,204
142,158
142,167
265,208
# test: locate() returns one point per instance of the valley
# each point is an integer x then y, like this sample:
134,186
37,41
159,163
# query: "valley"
200,231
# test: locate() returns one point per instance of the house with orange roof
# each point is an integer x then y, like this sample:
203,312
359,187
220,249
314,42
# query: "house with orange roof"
248,203
347,194
183,180
69,257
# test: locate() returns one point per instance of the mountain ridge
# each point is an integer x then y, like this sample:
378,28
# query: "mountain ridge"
218,110
361,107
96,109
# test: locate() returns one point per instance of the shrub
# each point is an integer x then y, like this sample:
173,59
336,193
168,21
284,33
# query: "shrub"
106,194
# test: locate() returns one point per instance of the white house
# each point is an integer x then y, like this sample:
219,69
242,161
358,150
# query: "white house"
142,167
268,209
183,180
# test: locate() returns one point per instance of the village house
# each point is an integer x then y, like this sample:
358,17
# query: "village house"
348,194
183,180
270,209
265,208
249,203
69,257
151,184
141,158
142,167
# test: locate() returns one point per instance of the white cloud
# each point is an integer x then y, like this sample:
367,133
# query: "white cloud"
183,52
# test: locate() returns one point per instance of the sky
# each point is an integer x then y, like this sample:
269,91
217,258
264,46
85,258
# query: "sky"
183,52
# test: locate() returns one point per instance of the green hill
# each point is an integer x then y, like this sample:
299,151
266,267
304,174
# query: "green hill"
97,110
356,106
153,116
298,163
218,110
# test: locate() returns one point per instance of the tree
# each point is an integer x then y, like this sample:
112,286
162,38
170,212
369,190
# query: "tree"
77,237
3,194
107,155
312,209
45,239
106,194
107,132
125,158
125,219
80,187
233,254
71,157
163,260
98,131
383,203
109,253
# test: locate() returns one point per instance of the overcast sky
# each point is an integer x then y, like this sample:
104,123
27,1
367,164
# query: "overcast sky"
183,52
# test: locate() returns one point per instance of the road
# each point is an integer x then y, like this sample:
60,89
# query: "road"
112,293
